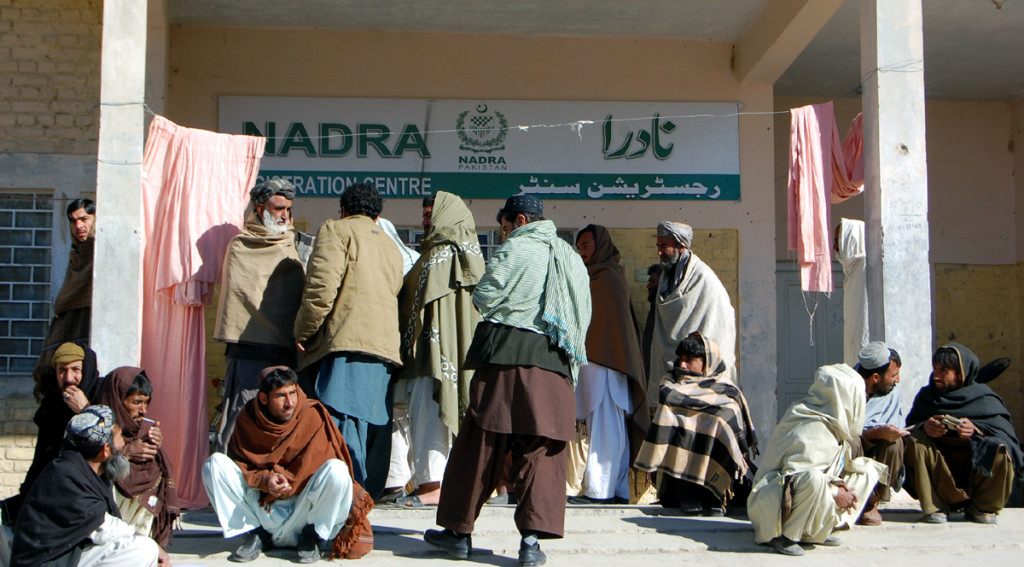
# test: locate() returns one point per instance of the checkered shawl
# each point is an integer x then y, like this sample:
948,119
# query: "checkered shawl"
701,433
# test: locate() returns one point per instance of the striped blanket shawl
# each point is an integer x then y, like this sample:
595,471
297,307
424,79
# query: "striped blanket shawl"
701,433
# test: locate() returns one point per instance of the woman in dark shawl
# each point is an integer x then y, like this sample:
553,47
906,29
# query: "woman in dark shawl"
150,484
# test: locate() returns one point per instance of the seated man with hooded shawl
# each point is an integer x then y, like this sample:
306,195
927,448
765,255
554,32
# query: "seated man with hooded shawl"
287,478
611,394
963,451
438,319
70,385
808,483
259,297
147,497
701,439
690,298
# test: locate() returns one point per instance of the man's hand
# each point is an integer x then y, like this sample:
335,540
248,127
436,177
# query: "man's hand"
298,345
966,429
934,427
845,500
278,486
75,399
163,560
155,435
140,451
888,433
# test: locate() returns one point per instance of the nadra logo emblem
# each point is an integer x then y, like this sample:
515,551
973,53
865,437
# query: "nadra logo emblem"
482,131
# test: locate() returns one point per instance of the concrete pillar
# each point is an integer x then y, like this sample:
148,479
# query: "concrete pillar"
896,185
117,293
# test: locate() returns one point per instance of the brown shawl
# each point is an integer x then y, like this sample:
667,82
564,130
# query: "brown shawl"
150,482
76,291
262,287
297,449
613,339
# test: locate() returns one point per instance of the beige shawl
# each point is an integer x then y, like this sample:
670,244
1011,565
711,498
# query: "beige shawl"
262,288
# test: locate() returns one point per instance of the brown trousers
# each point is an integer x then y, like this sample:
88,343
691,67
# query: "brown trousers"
889,454
940,475
475,467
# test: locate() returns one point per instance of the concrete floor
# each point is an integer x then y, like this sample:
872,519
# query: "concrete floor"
638,535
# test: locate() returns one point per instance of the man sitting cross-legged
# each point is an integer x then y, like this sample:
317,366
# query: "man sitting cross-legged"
287,478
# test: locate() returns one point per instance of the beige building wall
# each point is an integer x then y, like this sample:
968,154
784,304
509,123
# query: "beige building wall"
975,186
208,62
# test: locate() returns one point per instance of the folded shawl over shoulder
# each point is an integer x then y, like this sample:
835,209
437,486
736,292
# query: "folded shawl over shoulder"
436,306
537,282
150,482
261,289
297,449
702,431
978,403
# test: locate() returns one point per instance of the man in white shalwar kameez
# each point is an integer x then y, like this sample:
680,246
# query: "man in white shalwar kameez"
288,479
690,298
808,483
849,247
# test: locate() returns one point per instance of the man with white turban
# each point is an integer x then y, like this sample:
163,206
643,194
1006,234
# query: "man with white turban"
690,298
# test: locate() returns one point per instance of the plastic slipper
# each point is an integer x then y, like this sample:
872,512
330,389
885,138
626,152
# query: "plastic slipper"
412,501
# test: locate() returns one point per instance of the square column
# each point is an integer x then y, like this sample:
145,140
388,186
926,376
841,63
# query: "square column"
896,185
117,285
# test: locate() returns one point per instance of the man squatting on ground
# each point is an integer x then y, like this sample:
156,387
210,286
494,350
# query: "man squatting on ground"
963,452
147,498
809,482
882,436
69,517
534,299
259,297
287,478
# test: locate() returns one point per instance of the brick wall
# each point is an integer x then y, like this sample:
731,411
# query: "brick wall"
25,238
49,75
17,442
980,308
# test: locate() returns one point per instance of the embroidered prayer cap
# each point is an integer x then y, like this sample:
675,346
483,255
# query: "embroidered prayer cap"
67,353
873,355
267,189
523,204
90,430
681,232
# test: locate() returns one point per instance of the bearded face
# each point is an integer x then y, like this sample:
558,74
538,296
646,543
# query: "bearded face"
117,467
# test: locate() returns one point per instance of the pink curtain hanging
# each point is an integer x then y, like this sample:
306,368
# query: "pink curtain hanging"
821,169
195,190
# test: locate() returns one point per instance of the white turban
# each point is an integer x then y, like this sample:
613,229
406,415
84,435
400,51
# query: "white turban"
681,232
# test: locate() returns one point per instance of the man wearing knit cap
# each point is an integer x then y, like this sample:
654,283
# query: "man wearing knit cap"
534,299
70,517
259,296
690,298
69,385
882,437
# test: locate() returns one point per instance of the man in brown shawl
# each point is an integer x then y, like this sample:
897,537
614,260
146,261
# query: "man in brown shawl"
73,307
147,498
701,439
612,384
287,478
438,320
259,296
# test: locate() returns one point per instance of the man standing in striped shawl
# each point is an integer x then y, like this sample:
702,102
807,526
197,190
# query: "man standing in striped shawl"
701,439
534,299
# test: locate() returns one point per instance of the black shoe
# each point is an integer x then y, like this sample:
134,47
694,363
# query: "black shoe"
588,501
691,508
307,546
252,545
531,555
455,545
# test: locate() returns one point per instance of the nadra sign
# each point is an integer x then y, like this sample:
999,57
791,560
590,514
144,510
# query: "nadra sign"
495,148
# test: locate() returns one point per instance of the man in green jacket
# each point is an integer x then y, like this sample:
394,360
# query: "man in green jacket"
348,322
